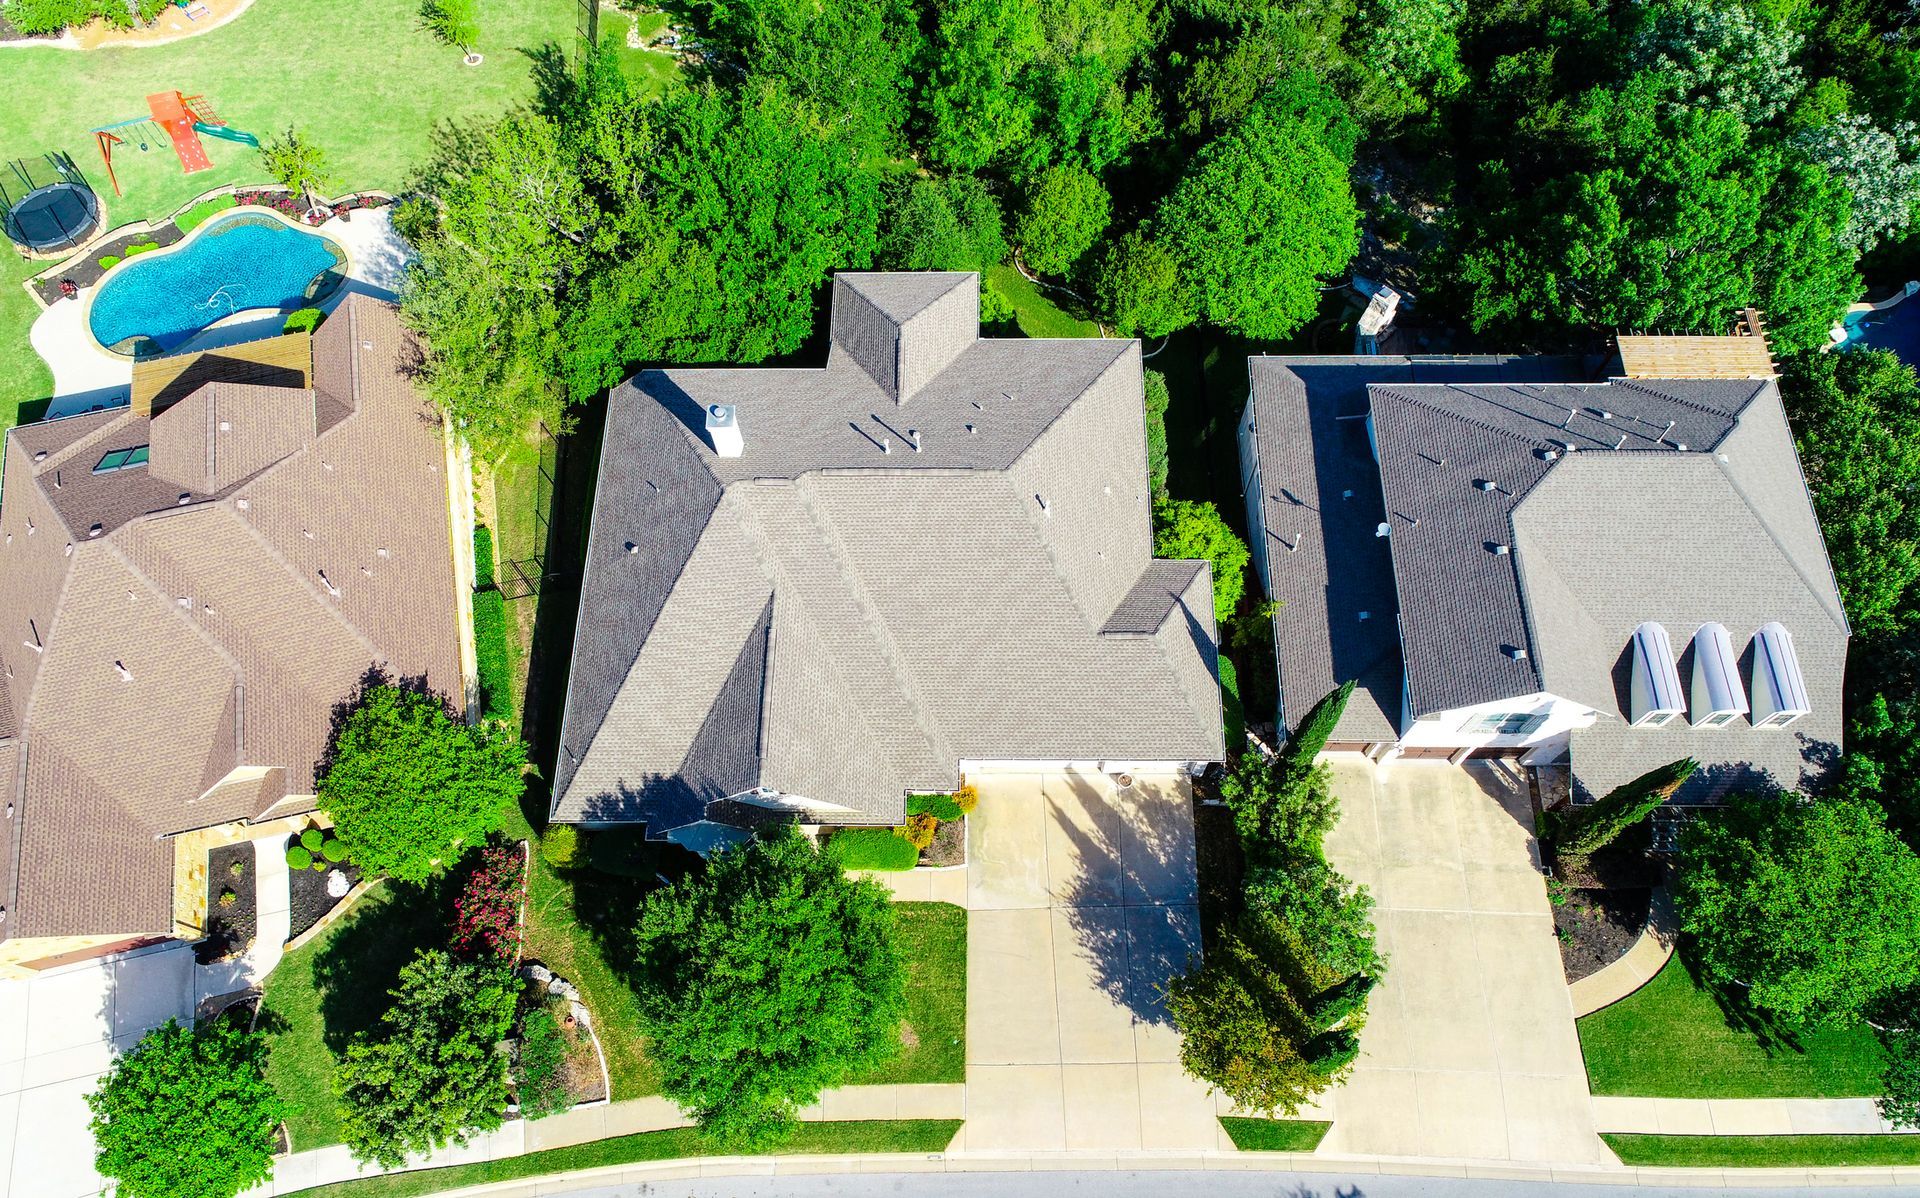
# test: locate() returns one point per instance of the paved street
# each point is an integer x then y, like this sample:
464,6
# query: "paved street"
1469,1049
1081,899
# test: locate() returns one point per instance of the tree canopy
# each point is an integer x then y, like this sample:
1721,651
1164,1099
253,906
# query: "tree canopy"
429,1073
187,1113
1811,904
1186,528
410,788
764,979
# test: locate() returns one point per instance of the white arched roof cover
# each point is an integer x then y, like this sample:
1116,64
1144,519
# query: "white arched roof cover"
1779,690
1717,690
1656,678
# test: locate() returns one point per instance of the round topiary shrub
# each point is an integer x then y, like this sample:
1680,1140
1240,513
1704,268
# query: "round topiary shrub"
298,857
966,798
560,845
333,850
312,839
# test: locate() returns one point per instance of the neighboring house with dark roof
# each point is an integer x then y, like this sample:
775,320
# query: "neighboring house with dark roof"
188,592
811,592
1513,559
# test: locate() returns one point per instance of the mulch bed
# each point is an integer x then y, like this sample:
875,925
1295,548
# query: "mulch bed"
308,898
583,1063
949,845
1597,927
230,926
86,271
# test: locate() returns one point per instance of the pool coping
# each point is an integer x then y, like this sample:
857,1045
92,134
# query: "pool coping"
92,293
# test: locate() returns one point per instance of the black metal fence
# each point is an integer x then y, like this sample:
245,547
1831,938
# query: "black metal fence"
521,578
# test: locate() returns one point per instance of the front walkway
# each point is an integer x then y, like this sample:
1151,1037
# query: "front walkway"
1081,907
1469,1049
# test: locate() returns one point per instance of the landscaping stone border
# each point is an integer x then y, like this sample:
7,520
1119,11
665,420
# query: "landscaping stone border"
332,917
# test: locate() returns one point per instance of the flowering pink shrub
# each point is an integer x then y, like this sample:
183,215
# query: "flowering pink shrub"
486,916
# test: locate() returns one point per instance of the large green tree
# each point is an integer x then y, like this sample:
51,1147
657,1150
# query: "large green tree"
1812,905
1856,418
1065,214
430,1072
187,1113
1191,529
942,224
411,788
1266,213
763,980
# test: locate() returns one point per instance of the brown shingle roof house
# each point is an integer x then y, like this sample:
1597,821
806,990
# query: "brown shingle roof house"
814,591
184,598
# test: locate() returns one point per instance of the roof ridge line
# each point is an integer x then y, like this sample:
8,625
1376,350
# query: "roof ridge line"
279,559
1639,385
888,649
1393,389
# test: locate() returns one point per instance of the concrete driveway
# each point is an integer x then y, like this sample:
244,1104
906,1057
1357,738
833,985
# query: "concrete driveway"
1469,1049
58,1034
1081,900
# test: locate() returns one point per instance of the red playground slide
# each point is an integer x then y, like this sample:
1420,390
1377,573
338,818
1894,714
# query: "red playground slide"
171,112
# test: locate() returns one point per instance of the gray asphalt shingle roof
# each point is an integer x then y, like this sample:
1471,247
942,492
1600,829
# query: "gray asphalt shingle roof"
914,561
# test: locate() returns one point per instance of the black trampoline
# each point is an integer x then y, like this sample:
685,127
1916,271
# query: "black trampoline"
47,206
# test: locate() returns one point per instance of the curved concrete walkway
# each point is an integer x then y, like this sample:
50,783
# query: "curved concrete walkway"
1647,957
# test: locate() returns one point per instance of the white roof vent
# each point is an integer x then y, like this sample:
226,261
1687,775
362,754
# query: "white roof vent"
1718,699
1779,690
1656,679
723,430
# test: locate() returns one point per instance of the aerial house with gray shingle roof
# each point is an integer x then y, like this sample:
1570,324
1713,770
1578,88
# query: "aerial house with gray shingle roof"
811,592
188,589
1513,558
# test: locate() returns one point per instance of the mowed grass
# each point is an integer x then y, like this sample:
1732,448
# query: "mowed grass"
1763,1152
334,986
1034,312
933,939
810,1139
1672,1039
360,78
1274,1135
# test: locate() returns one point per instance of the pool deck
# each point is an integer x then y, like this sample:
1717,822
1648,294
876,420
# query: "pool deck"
86,376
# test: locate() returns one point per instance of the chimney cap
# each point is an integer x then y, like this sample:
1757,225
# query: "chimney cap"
723,430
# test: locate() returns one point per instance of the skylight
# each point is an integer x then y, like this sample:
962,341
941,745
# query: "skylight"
122,459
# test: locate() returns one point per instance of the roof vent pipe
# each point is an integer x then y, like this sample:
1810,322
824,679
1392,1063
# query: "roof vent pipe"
723,430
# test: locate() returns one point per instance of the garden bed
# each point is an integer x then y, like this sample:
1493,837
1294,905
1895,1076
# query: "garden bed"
231,926
949,845
307,897
1597,927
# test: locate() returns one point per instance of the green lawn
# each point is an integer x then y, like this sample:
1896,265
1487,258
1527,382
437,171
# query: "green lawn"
1764,1152
933,939
334,986
1274,1135
1034,312
811,1139
1671,1039
25,381
360,77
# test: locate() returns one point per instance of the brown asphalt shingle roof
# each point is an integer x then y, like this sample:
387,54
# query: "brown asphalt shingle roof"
278,545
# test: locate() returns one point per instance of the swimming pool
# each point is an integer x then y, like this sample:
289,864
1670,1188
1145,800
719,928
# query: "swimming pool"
245,260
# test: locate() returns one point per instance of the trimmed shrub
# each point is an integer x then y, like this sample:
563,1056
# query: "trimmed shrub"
873,848
940,807
302,320
109,261
333,850
198,214
142,248
227,897
1586,830
299,858
966,798
560,845
312,839
919,830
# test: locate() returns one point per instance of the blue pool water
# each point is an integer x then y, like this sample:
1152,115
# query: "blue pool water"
1897,329
227,265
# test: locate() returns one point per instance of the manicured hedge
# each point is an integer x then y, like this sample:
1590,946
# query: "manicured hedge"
198,214
874,848
302,320
940,807
490,632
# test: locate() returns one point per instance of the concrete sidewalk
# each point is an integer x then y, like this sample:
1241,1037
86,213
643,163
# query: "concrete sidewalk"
1741,1116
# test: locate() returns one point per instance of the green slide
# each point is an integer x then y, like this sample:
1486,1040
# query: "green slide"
226,134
